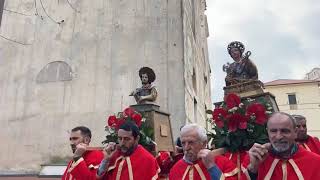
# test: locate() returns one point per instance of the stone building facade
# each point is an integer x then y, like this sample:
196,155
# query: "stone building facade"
66,63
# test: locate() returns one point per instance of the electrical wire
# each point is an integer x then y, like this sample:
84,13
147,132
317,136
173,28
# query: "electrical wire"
11,40
16,12
72,6
48,14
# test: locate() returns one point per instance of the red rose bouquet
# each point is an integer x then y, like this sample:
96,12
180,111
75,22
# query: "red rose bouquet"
129,114
239,123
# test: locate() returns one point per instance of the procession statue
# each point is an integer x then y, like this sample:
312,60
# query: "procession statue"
147,93
242,69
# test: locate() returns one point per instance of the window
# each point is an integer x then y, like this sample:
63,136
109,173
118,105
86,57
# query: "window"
205,79
54,72
195,110
1,9
194,80
292,101
292,98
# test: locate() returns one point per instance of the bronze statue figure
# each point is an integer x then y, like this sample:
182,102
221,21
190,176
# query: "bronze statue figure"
147,93
242,69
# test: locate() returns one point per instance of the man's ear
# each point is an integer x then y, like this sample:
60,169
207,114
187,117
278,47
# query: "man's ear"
86,140
138,138
204,145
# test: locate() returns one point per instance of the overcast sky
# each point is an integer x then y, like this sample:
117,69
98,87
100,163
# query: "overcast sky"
283,36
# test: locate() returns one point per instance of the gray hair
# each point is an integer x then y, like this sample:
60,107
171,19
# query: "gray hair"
290,117
298,117
202,133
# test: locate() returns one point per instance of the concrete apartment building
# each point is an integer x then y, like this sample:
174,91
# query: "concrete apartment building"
70,63
298,97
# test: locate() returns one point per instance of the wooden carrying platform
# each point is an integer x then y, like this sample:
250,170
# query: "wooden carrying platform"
160,122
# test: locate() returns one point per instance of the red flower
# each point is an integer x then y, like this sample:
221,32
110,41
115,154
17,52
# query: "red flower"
233,122
218,115
232,100
243,122
137,119
112,120
129,111
163,156
259,111
119,123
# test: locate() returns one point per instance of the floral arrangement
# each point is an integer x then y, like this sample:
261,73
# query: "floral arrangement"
129,114
238,124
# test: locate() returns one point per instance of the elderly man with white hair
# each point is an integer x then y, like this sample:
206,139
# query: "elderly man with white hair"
199,162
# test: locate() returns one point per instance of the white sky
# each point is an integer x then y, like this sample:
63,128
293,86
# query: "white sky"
283,36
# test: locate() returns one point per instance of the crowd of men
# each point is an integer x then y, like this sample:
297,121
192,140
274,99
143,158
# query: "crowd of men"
291,154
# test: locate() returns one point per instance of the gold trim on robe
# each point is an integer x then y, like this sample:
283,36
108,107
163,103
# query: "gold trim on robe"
190,171
74,164
284,169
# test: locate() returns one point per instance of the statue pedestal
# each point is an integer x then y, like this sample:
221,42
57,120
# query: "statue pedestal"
244,89
160,122
267,97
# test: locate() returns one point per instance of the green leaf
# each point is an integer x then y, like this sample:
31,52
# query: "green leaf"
209,111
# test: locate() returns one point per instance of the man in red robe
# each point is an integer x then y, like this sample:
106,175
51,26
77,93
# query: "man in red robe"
199,163
128,160
308,142
282,158
85,163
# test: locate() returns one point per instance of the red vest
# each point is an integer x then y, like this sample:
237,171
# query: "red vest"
312,145
85,168
302,165
140,165
184,171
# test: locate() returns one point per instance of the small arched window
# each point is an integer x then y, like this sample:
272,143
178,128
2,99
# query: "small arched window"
54,72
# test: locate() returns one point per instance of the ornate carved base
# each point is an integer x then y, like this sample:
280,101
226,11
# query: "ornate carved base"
160,122
248,88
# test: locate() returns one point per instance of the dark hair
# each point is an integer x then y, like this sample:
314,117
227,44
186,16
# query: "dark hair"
285,114
150,73
130,126
84,131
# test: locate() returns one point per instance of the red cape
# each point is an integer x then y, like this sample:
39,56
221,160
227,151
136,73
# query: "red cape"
303,164
139,165
181,168
85,168
312,145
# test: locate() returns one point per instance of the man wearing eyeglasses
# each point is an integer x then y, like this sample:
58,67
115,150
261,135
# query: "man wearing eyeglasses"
306,141
85,162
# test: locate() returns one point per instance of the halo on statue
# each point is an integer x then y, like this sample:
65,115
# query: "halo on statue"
236,44
149,72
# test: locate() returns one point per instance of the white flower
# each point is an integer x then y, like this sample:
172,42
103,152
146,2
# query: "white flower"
233,109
